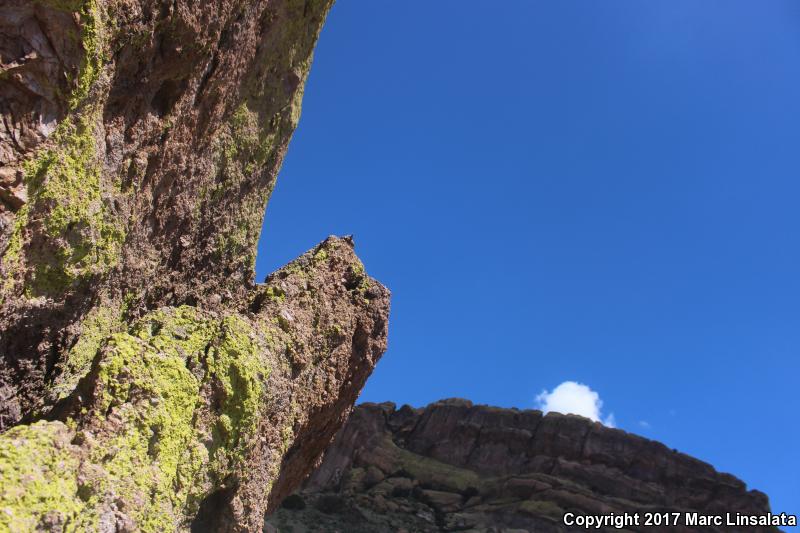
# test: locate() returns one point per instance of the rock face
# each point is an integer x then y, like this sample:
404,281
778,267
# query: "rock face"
453,466
147,383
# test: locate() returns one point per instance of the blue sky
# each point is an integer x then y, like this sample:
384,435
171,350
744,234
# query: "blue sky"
591,191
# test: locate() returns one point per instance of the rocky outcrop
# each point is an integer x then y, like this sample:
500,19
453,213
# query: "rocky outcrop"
453,466
147,383
142,139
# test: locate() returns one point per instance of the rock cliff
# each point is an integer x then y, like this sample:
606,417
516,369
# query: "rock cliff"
453,466
147,383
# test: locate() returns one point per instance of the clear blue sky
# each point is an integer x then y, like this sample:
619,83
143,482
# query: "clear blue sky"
599,191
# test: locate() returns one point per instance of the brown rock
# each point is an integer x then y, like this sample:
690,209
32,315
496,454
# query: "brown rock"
152,146
479,468
147,383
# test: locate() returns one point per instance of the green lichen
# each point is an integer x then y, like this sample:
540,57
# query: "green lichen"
358,272
235,363
164,455
275,294
234,242
150,441
249,140
94,40
243,147
66,192
434,473
95,45
98,325
37,467
335,333
287,436
321,255
14,247
64,184
12,254
179,331
148,387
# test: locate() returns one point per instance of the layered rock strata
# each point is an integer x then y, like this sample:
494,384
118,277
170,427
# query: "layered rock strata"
453,466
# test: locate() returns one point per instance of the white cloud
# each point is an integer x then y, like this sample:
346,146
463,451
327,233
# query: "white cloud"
575,398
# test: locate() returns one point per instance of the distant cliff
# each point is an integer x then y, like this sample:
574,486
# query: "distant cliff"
453,466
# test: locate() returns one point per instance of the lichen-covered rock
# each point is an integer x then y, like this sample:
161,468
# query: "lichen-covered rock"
202,418
140,143
146,382
453,466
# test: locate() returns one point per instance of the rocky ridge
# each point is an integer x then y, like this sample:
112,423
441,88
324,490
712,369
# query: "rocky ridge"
453,466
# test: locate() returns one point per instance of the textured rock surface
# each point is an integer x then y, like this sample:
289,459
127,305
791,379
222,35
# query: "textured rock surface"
457,467
140,143
146,382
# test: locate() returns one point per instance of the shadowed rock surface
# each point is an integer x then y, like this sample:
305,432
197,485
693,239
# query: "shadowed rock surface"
453,466
147,383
